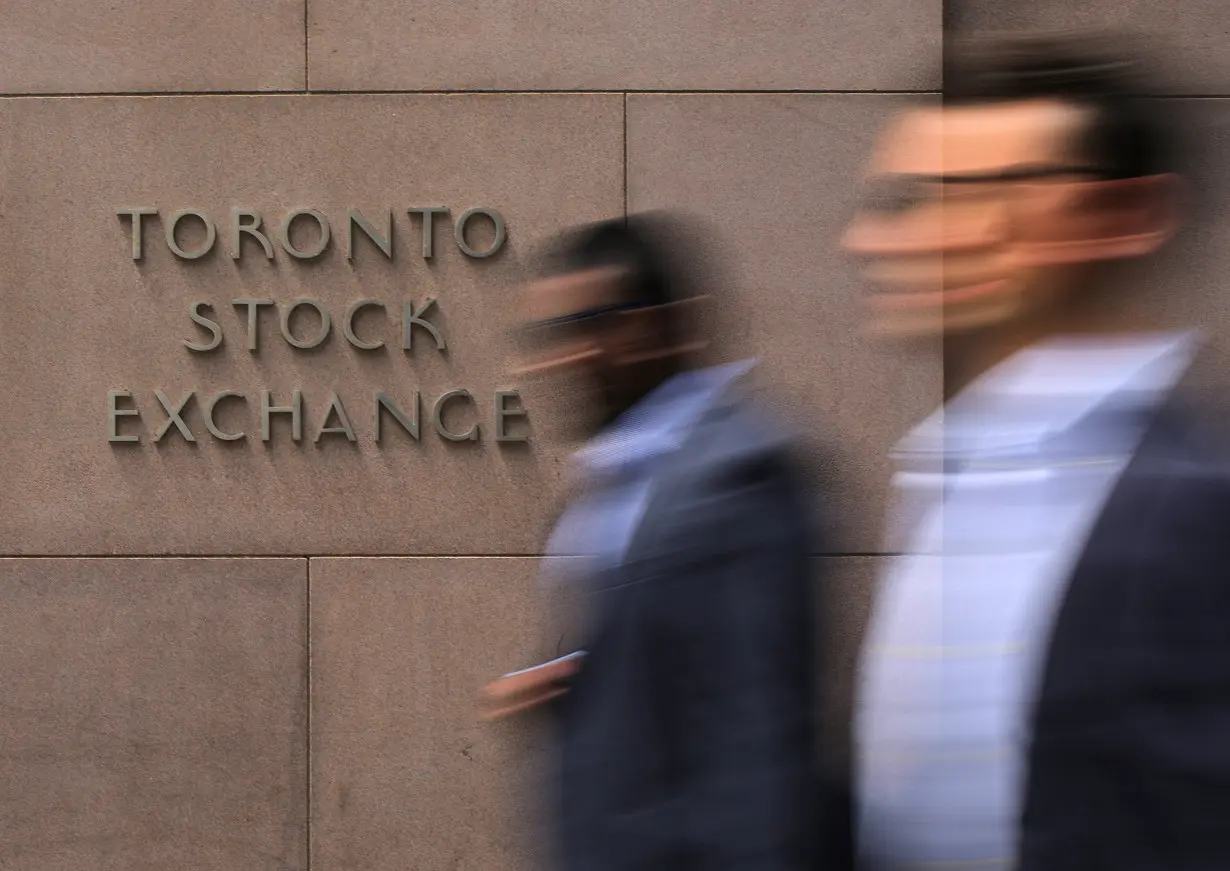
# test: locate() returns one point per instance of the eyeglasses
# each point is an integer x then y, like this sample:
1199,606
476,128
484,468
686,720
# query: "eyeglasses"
553,332
898,194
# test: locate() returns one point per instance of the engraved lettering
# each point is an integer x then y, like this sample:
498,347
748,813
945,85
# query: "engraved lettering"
211,234
503,413
136,214
245,221
114,413
253,317
409,424
411,317
437,418
209,416
348,324
322,242
173,411
343,422
194,312
427,213
459,232
295,410
325,323
382,241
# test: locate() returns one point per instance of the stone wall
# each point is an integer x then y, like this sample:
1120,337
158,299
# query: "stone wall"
261,653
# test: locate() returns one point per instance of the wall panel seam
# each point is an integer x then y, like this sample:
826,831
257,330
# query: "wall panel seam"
307,580
312,556
61,95
625,131
307,82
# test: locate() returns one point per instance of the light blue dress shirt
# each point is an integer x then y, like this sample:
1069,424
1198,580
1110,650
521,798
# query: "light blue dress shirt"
617,468
997,493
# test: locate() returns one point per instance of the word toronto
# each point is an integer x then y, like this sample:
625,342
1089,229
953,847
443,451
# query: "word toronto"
249,223
386,413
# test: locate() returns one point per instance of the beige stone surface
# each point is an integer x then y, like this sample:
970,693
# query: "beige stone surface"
83,318
153,714
1186,41
143,45
775,177
614,45
402,774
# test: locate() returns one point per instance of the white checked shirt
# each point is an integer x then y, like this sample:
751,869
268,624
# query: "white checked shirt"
998,492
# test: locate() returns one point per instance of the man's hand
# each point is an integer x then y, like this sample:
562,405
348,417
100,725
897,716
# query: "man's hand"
523,690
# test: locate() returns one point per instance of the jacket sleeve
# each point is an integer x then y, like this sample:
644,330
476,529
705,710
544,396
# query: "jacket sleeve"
733,618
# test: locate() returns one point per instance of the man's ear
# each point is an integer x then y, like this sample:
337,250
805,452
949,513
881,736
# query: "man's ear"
691,336
1120,219
1141,214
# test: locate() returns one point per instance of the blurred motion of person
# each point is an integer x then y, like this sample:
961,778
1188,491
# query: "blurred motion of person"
687,726
1045,682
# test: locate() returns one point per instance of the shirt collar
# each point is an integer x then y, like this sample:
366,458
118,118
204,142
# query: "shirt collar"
658,423
1049,388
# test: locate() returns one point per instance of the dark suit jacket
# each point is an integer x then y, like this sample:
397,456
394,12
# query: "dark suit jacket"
1129,766
688,741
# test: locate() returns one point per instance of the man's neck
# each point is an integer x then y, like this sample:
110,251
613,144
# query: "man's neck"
659,374
967,356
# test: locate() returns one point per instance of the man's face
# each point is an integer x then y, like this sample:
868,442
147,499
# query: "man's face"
578,328
968,212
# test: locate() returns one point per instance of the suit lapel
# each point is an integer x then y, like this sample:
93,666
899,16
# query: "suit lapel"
669,483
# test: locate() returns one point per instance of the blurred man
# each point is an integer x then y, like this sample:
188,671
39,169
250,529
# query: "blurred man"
1046,680
687,726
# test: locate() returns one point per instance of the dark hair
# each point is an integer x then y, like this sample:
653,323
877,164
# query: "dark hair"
1127,139
651,276
641,245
